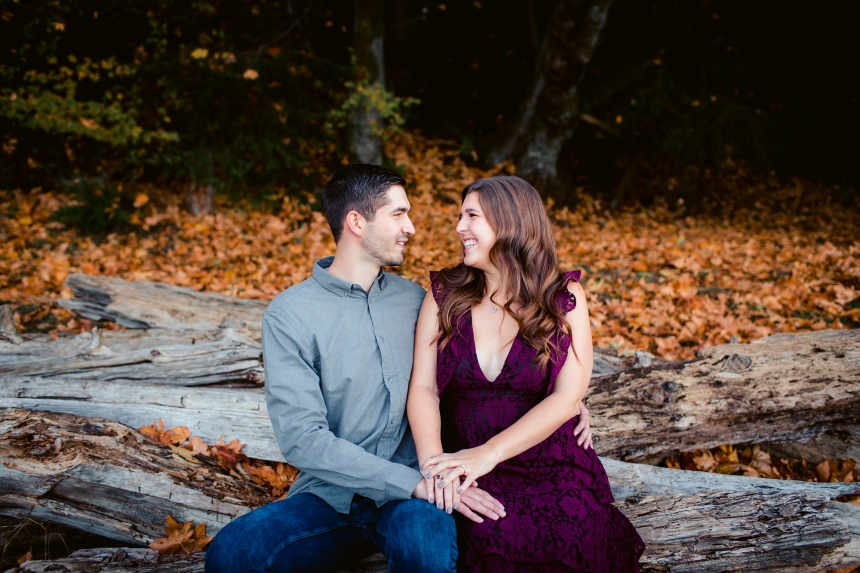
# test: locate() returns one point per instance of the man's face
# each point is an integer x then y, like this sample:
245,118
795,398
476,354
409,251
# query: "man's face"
386,236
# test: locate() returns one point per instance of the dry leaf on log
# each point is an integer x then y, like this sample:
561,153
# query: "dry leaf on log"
181,538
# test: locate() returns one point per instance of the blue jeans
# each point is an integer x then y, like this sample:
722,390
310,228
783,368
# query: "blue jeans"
305,534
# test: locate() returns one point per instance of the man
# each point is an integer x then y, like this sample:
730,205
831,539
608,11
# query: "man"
338,355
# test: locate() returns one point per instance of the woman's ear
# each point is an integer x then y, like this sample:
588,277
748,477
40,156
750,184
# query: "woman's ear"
355,223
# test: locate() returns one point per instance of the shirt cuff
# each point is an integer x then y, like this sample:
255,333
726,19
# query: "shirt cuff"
402,482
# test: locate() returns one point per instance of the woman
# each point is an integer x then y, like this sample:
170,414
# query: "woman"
503,357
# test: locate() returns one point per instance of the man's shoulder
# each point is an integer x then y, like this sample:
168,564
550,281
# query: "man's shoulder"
294,298
406,287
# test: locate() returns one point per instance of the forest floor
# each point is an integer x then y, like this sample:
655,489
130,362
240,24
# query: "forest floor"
769,258
777,258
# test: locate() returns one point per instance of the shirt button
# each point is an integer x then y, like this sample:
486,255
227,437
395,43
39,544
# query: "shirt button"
381,339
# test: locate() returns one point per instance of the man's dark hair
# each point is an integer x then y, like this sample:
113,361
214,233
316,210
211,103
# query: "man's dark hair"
356,187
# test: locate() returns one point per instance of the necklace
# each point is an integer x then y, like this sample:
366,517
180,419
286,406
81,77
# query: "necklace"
494,309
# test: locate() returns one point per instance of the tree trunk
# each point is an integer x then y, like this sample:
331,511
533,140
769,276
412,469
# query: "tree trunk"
142,304
795,388
105,478
208,414
187,358
367,45
115,560
784,388
550,111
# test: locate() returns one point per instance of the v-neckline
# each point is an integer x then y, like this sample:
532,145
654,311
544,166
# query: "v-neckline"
475,351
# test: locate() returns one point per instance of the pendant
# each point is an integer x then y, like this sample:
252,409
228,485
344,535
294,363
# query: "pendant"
494,308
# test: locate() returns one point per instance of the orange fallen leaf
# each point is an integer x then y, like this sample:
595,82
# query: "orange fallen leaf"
181,538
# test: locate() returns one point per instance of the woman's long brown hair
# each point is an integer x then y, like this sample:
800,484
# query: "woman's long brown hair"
524,253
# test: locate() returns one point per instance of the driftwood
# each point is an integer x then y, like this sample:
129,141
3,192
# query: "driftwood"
186,358
105,478
141,304
117,560
701,522
207,413
785,387
139,560
158,306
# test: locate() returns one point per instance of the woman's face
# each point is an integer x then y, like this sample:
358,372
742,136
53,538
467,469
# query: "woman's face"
475,233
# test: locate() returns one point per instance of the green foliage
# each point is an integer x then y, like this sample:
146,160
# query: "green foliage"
374,101
99,207
212,91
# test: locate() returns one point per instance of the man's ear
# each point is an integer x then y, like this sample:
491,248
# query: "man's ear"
355,223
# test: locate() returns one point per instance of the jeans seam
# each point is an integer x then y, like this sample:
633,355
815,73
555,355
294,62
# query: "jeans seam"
307,534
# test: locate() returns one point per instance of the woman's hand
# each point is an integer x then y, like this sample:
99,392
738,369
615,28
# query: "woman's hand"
582,431
469,464
430,483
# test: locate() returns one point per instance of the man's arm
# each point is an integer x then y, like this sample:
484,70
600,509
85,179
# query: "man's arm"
298,413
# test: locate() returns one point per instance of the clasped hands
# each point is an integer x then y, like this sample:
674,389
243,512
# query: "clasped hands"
450,493
450,479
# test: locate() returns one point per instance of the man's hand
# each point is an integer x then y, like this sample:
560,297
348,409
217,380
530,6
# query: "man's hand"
582,431
474,502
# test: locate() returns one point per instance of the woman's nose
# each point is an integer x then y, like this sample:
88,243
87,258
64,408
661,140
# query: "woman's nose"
461,225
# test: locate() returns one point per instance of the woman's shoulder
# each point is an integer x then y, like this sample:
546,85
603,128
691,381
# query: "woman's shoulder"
571,289
438,287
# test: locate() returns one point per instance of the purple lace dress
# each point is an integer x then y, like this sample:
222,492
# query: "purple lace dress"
556,495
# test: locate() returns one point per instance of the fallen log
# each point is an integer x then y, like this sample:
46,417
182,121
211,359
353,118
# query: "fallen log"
106,478
117,560
102,477
147,305
782,388
206,413
138,560
704,522
141,304
187,358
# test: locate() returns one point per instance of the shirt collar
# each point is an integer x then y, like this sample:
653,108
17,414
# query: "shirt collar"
341,287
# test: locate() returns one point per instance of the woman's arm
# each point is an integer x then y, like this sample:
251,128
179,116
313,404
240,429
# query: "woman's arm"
422,408
422,405
539,422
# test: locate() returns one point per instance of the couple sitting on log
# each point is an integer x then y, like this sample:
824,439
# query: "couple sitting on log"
491,366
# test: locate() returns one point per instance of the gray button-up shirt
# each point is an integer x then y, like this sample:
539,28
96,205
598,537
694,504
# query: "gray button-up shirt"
338,361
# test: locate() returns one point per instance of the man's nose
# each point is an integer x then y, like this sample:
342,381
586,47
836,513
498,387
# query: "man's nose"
408,227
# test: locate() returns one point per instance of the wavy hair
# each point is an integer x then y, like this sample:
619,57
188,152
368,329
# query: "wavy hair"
524,253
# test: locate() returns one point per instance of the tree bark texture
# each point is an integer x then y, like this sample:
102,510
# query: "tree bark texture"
187,358
105,478
785,387
145,560
117,560
367,44
142,304
158,306
550,110
208,413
